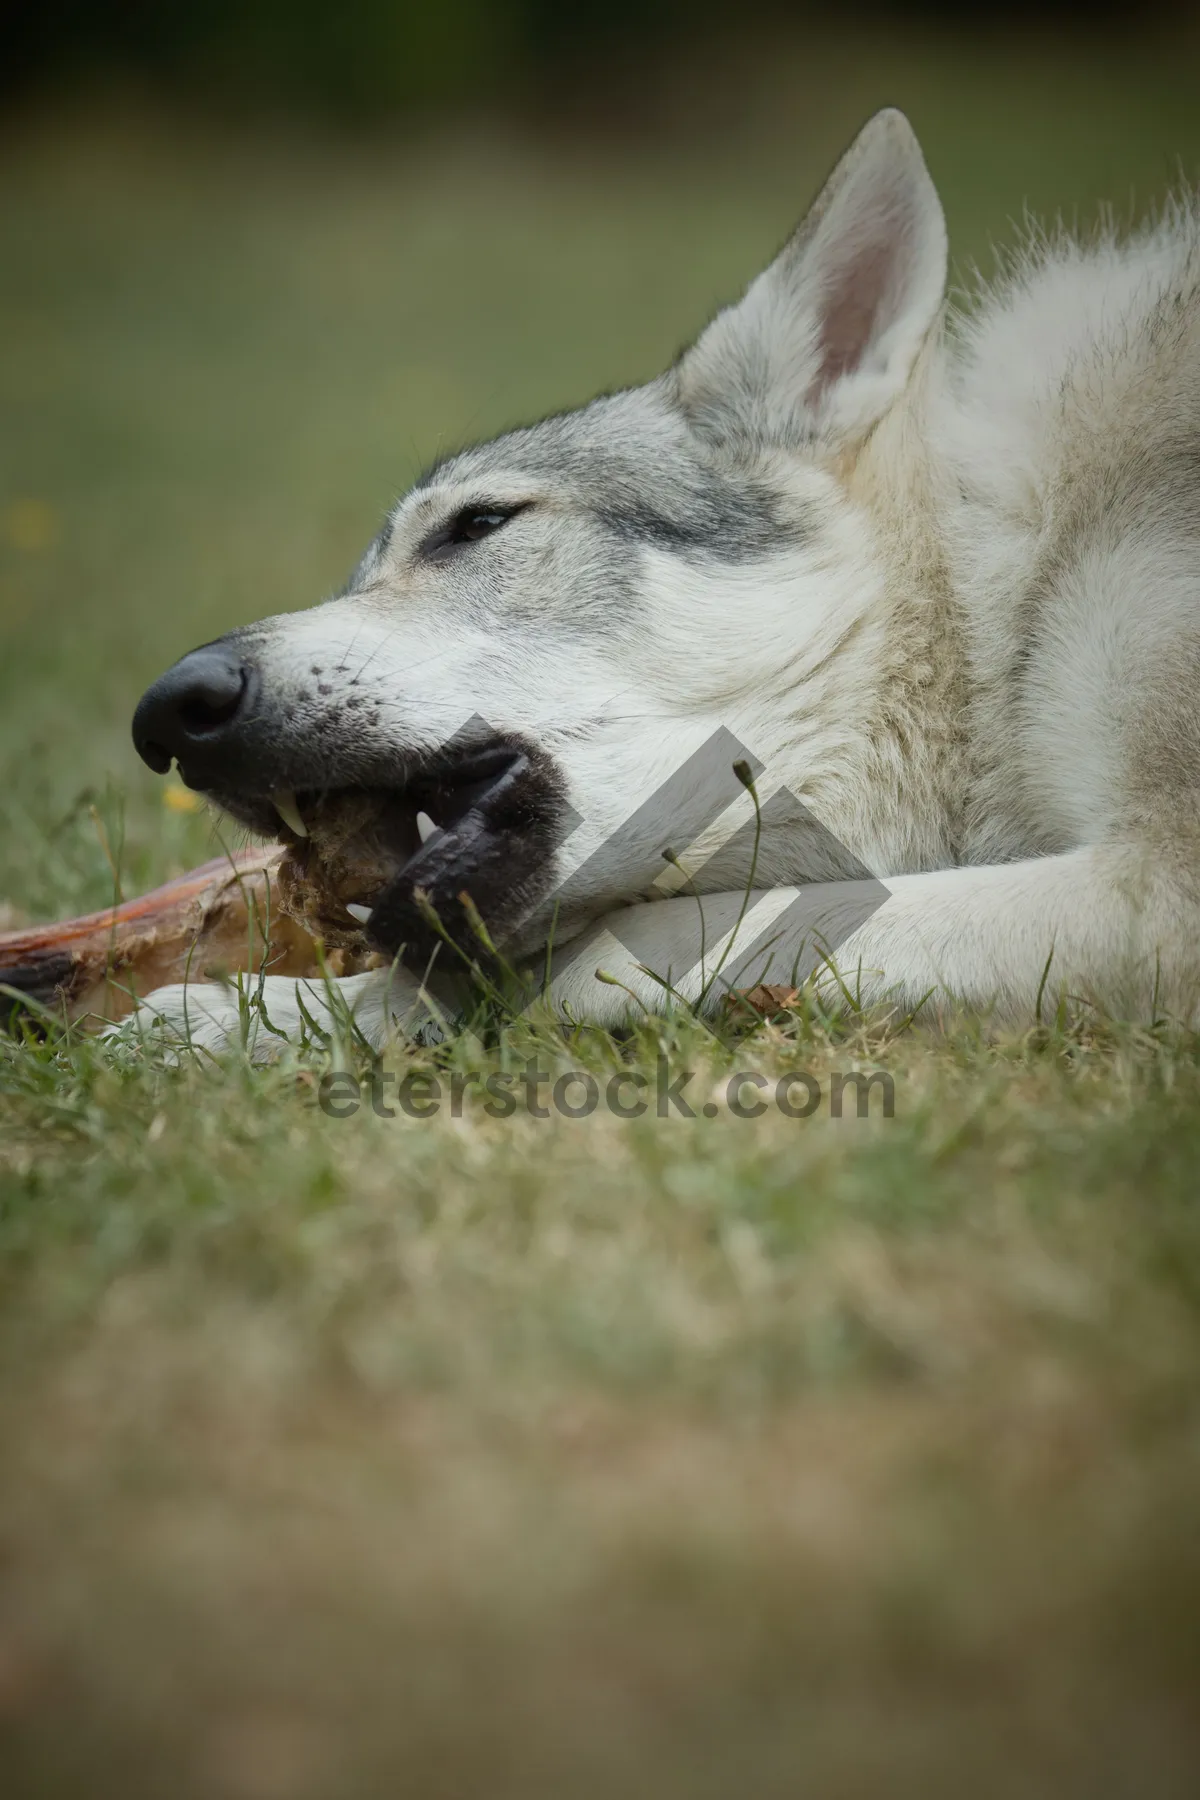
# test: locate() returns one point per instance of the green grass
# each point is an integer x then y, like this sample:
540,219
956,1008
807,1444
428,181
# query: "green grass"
538,1457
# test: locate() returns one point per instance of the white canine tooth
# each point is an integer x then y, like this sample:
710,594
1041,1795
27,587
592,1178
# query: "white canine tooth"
361,913
425,827
289,812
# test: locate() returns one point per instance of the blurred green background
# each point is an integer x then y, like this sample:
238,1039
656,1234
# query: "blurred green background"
355,1459
384,59
259,263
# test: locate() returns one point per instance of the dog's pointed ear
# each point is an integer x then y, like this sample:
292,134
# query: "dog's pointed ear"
825,339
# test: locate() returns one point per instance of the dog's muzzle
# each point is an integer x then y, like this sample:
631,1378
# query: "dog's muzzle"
479,816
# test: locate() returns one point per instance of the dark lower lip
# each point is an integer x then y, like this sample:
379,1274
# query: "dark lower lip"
445,788
500,812
491,861
448,792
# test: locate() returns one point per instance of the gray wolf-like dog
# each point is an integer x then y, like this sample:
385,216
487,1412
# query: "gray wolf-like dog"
939,571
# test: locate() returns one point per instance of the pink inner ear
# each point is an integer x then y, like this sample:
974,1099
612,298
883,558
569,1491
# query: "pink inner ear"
849,313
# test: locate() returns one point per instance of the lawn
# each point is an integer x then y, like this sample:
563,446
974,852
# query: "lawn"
519,1456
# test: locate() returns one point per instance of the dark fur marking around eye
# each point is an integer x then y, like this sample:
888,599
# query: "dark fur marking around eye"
731,526
469,525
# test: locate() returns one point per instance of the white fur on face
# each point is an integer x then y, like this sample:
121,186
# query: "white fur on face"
756,647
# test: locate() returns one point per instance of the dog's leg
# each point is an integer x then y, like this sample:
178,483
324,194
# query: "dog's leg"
266,1015
1112,925
696,950
1106,924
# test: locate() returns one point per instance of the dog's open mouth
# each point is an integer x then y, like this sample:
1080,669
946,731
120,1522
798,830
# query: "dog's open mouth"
393,863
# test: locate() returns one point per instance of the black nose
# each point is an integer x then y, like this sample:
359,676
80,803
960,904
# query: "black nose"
190,711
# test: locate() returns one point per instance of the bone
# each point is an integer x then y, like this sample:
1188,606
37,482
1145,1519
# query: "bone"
357,845
425,827
219,920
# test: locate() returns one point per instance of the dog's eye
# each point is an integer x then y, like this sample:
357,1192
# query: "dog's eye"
467,527
472,525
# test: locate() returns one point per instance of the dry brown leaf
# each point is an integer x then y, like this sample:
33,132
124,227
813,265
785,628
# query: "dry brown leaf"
765,998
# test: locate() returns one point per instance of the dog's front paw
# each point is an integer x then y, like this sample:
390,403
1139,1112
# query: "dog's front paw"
211,1018
262,1018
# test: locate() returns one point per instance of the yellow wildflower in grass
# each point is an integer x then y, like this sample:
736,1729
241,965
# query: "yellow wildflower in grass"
181,799
29,524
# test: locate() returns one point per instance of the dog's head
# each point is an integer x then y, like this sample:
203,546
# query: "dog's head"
551,627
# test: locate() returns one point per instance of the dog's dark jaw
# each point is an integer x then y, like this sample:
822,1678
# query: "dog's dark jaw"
392,858
495,858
